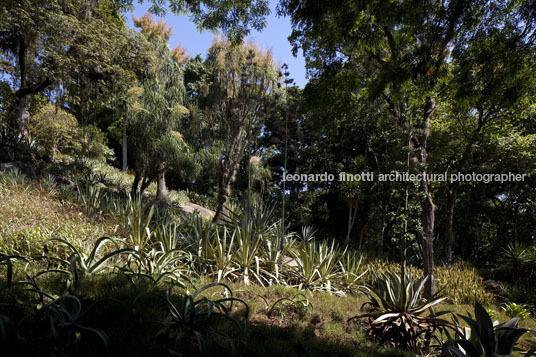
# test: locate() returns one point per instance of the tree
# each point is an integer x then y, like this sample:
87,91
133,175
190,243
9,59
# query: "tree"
155,143
61,44
400,52
487,91
82,46
234,17
53,128
244,81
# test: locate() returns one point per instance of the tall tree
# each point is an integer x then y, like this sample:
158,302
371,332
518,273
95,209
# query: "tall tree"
244,81
50,42
155,142
400,51
488,87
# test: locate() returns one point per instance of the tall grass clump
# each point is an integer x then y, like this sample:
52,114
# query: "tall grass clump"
460,281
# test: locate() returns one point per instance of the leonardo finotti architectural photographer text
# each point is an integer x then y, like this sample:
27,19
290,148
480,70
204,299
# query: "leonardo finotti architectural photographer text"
406,176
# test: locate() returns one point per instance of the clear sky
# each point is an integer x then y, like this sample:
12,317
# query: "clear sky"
273,37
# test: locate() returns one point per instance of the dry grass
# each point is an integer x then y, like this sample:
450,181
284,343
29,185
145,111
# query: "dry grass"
30,214
459,281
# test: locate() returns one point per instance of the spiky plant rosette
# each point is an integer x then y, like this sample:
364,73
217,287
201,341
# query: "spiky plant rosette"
400,316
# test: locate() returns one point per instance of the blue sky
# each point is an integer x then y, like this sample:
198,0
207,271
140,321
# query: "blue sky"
273,37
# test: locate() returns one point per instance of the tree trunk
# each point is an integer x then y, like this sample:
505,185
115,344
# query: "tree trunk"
229,164
161,190
224,191
352,212
54,152
135,184
363,231
144,184
449,232
453,191
427,205
428,221
20,114
398,111
124,149
383,230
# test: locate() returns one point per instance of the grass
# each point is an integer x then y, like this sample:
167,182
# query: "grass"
459,281
288,329
320,328
302,323
31,214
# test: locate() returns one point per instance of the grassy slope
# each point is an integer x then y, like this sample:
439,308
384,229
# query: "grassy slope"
31,213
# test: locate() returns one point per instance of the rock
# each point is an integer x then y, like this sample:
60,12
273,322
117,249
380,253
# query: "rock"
289,262
339,293
22,167
192,207
492,286
62,180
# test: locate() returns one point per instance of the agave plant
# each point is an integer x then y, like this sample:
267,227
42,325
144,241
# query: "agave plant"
198,235
352,272
62,321
137,218
160,267
48,184
90,196
79,263
247,252
274,249
221,253
298,300
317,265
167,237
308,233
253,211
195,316
15,179
483,337
401,316
514,258
7,261
328,258
305,271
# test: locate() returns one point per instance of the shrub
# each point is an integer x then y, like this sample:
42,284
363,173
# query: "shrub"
93,144
53,128
460,281
317,265
516,310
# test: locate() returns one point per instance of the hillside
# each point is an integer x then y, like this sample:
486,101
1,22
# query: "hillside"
282,320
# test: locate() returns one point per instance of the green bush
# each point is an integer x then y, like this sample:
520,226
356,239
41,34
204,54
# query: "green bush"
93,144
516,310
54,129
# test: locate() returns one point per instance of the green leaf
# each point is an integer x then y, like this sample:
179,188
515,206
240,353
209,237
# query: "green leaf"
486,330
